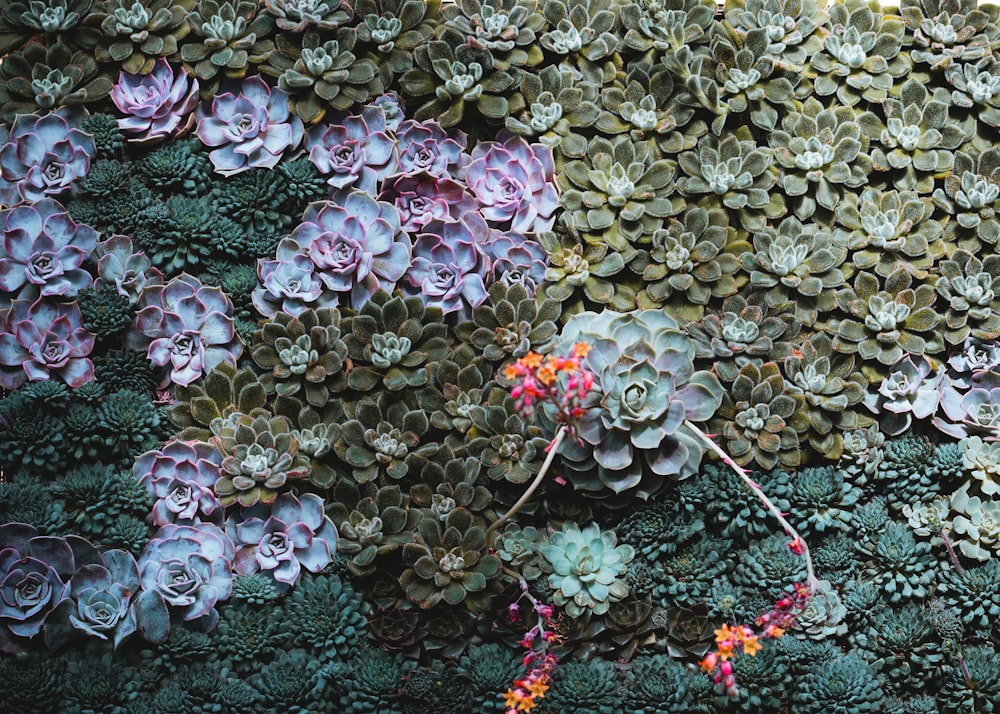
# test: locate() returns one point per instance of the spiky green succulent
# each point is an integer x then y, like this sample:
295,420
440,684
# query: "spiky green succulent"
972,683
822,500
733,508
974,593
39,78
862,56
769,565
326,616
899,563
138,32
579,686
844,683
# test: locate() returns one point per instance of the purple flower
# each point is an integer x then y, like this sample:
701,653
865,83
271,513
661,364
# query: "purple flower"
513,182
180,478
289,284
356,154
155,105
128,271
356,247
449,268
423,198
515,258
290,534
43,339
252,130
42,252
191,568
41,156
34,571
425,146
191,328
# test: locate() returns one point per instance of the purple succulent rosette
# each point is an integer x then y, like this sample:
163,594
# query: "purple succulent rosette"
156,105
252,129
426,146
423,198
449,269
975,412
912,389
290,534
515,258
191,569
42,252
180,477
41,340
190,327
118,264
41,156
974,358
358,153
105,601
514,184
391,108
34,578
289,283
357,246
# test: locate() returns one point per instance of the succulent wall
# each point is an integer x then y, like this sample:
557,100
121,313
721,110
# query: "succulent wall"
263,265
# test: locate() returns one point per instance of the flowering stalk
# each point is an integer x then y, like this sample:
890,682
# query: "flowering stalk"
537,381
539,664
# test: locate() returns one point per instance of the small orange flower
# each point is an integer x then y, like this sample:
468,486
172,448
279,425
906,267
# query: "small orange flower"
546,375
773,631
581,349
724,634
516,699
752,646
532,360
537,688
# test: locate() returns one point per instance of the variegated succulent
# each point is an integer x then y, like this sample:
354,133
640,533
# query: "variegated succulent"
557,101
970,196
39,78
138,32
886,231
862,56
969,286
733,173
792,26
582,34
507,28
950,31
822,152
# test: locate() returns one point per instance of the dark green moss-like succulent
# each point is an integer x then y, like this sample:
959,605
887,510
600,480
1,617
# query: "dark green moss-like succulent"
395,28
32,683
734,509
842,683
130,424
227,36
835,559
490,669
39,78
822,500
254,199
972,683
109,142
685,577
177,167
138,32
321,74
371,681
579,686
900,564
974,593
105,312
326,616
248,635
179,237
769,565
292,683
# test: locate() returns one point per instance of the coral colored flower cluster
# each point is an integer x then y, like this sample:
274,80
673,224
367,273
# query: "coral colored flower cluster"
742,638
539,664
538,380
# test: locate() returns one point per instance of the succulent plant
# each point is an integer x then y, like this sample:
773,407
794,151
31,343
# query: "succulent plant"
252,129
822,500
422,198
822,152
157,105
900,645
190,567
41,156
298,15
457,77
976,85
396,28
504,443
290,284
862,56
555,104
584,686
180,478
761,418
898,563
981,688
618,194
975,524
21,20
768,564
43,340
259,455
885,324
380,439
137,33
918,137
40,77
320,73
967,284
356,153
793,28
970,195
504,27
511,323
226,36
581,264
949,31
733,173
449,563
911,389
582,33
675,29
972,411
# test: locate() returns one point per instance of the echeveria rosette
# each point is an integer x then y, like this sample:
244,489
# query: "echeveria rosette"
42,251
862,56
190,567
130,272
516,259
356,246
180,478
513,182
296,15
260,457
188,326
227,36
135,33
449,269
976,86
579,270
357,153
797,262
105,600
969,287
291,534
583,35
947,32
423,198
970,360
918,137
733,173
970,196
972,412
889,230
645,389
425,146
793,27
980,459
289,283
44,340
395,28
884,324
674,28
20,20
41,77
556,101
252,129
975,524
821,151
41,156
34,578
156,106
912,389
507,28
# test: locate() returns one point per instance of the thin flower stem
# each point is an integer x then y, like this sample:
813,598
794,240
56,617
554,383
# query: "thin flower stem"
549,458
951,554
811,579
